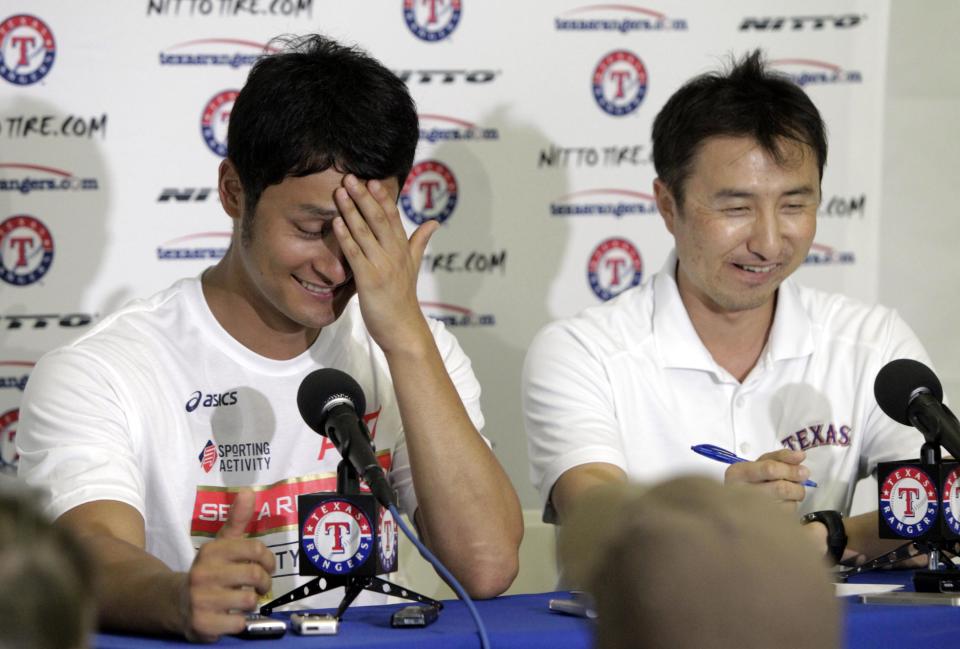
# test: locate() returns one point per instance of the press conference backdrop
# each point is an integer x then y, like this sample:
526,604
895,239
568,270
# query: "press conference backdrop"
534,153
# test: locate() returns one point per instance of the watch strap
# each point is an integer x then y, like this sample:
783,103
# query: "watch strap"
836,532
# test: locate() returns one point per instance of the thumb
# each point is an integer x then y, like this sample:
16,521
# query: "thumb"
420,238
241,512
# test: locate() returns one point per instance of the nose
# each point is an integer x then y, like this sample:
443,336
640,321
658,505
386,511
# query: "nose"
766,236
329,263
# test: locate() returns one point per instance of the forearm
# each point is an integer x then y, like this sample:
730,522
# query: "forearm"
467,508
864,542
135,590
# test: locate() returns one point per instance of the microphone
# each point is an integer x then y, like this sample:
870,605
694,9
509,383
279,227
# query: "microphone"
331,402
909,392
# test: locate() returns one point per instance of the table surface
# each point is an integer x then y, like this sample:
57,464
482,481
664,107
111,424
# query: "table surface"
524,621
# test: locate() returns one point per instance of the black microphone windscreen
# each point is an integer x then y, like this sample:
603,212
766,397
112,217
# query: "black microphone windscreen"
896,383
319,387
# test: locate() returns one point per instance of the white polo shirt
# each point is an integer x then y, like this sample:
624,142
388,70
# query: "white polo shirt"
630,383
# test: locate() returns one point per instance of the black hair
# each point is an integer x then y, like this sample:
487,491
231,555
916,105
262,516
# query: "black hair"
750,101
314,105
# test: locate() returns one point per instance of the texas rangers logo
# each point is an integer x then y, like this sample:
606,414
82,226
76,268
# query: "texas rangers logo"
619,82
388,541
431,20
208,456
8,433
614,266
27,49
950,499
430,192
908,502
337,537
26,250
214,120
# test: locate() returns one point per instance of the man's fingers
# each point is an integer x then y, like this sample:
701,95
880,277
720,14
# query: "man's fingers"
241,512
785,455
420,238
766,470
215,555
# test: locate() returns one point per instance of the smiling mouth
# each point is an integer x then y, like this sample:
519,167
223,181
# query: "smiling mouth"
760,270
320,289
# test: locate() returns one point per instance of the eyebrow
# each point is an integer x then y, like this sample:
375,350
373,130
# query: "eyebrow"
804,190
317,211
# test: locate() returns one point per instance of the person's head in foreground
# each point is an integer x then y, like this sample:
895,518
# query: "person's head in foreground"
45,580
691,564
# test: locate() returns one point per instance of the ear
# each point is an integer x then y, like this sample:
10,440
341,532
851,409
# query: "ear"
230,189
666,203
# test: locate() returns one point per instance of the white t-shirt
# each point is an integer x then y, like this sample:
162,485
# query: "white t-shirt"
160,408
630,383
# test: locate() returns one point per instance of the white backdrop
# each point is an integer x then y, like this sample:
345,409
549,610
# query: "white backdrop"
535,151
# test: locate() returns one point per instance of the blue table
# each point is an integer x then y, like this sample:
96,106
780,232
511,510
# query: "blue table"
524,621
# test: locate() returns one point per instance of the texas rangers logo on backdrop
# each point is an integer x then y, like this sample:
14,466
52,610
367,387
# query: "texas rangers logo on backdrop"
17,377
431,20
28,49
430,192
388,540
201,245
214,120
619,82
614,266
337,537
215,51
8,433
950,500
26,250
621,18
804,72
908,501
612,202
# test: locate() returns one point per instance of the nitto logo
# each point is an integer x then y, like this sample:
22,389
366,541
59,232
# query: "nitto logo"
431,20
211,51
589,156
619,203
215,400
452,129
186,195
28,49
796,23
614,266
446,77
613,20
43,320
48,179
430,192
174,249
804,72
26,250
214,120
619,83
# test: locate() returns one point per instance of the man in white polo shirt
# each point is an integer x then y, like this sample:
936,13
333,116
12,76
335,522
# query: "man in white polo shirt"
721,347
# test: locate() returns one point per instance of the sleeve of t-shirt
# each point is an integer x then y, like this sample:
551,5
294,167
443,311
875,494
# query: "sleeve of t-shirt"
568,409
886,439
461,374
73,437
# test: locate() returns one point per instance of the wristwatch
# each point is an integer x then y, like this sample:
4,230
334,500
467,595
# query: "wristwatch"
836,533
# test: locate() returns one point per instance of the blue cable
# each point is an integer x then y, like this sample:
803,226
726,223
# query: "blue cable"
461,593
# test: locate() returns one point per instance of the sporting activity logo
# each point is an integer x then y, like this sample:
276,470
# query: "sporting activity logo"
208,456
432,20
228,52
610,202
804,72
8,435
430,192
28,49
337,537
908,501
613,267
202,245
951,500
617,18
619,82
451,129
26,250
214,120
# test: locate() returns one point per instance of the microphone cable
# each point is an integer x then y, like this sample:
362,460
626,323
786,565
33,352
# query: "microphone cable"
461,593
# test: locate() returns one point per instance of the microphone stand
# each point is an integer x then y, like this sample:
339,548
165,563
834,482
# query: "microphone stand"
935,547
348,484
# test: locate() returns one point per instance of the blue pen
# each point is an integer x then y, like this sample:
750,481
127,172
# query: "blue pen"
723,455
